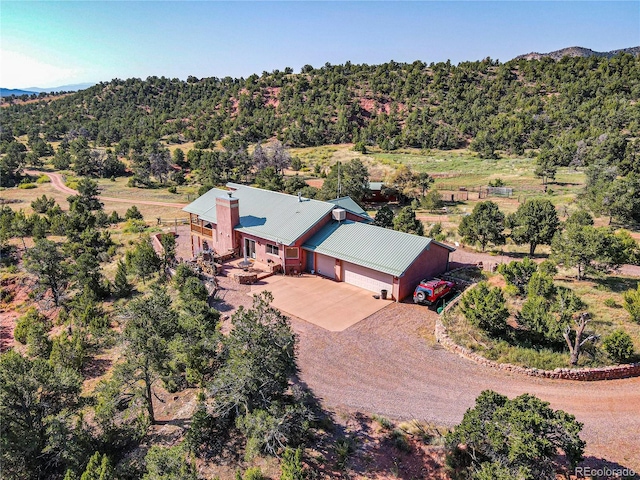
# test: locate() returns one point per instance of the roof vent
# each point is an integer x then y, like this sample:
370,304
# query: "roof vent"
339,214
230,193
299,196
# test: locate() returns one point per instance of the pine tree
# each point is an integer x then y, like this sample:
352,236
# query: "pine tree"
121,287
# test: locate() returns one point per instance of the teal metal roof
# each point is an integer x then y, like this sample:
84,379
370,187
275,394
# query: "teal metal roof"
274,216
205,205
368,245
349,204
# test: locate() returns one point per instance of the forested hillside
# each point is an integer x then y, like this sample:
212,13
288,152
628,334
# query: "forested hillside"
491,106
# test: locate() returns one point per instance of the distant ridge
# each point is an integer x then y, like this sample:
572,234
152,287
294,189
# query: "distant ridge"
7,92
577,52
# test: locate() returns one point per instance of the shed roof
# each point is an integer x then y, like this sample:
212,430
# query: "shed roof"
375,186
274,216
350,205
368,245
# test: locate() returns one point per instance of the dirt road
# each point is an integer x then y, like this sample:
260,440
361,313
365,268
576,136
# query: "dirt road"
58,184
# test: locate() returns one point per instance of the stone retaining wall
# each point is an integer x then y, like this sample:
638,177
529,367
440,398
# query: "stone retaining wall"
581,374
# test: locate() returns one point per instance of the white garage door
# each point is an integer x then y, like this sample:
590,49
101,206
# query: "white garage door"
366,278
326,266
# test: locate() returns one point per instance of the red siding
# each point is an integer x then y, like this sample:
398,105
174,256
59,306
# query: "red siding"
301,263
429,264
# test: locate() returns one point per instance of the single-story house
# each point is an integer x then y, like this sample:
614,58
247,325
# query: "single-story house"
335,239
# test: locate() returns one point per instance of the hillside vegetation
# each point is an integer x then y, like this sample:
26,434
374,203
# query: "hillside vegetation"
512,106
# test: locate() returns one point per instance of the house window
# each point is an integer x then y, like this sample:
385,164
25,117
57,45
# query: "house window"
272,249
291,252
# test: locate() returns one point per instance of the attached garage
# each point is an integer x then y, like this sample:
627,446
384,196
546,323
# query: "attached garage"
375,258
366,278
326,266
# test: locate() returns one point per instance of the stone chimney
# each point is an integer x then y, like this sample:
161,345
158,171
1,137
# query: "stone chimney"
228,216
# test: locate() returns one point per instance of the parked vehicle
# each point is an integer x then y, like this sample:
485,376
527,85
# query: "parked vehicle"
430,291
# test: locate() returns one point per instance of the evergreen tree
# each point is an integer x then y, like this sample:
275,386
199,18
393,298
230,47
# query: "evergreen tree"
121,286
384,217
407,222
485,225
519,438
535,222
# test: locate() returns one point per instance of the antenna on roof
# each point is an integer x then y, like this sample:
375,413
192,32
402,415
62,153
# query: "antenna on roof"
339,183
230,193
299,196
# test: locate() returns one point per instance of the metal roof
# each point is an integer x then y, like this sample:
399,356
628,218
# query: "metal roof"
376,186
349,204
370,246
205,205
274,216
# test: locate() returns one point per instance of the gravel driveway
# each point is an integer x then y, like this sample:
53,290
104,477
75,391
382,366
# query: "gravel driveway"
389,364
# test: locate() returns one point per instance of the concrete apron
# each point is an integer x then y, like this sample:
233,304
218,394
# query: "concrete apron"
334,306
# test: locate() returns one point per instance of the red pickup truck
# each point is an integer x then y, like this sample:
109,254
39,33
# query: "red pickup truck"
429,291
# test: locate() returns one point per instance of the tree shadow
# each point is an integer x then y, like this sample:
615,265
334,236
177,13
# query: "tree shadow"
96,367
617,284
218,302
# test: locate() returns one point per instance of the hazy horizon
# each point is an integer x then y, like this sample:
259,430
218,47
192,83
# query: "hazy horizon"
50,44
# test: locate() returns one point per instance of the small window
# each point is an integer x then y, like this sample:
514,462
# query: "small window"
291,252
272,249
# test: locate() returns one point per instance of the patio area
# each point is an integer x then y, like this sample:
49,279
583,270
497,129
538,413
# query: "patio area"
334,306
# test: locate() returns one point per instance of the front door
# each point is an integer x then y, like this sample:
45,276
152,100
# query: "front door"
249,248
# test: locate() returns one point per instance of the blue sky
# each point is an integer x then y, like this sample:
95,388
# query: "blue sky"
48,44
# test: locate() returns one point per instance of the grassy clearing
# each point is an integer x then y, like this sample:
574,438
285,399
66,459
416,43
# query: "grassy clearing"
119,189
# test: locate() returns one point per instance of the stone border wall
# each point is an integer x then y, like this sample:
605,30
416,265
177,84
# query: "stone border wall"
581,374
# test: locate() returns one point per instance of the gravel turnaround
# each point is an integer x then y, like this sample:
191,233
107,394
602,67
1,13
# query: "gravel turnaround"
389,364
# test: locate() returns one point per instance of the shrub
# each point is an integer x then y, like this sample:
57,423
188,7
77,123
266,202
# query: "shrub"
253,473
291,465
32,329
43,204
537,320
172,189
485,308
432,201
384,422
133,213
518,273
27,186
204,189
345,447
400,441
611,303
632,303
43,179
541,284
296,164
619,346
134,226
548,268
114,218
